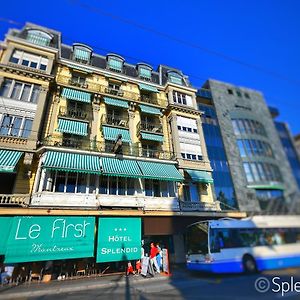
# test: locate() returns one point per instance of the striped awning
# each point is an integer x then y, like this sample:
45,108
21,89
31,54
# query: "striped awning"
72,162
115,102
200,176
152,137
153,170
148,88
111,134
9,160
38,39
82,54
150,109
76,95
115,64
73,127
120,167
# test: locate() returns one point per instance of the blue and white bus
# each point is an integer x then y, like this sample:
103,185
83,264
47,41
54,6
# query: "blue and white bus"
248,245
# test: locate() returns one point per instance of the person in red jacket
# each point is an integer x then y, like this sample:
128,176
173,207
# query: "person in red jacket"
153,252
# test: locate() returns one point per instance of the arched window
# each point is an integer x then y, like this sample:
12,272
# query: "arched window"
174,77
82,53
39,37
145,71
115,62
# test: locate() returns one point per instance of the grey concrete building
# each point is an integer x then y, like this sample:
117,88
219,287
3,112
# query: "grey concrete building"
260,172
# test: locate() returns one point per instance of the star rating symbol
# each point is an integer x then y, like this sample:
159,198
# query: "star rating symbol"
120,229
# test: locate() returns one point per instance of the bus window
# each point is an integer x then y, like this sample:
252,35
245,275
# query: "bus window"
196,239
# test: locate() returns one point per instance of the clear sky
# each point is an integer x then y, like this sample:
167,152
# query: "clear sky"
255,43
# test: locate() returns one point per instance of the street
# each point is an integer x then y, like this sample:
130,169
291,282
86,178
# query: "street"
184,285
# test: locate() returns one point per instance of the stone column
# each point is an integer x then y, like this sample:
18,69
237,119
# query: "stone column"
174,135
7,54
53,114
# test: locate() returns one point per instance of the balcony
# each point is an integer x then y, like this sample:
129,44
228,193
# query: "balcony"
87,85
97,146
9,139
73,113
151,127
110,119
14,200
149,99
199,206
113,91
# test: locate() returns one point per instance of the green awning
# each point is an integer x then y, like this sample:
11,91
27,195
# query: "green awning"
152,137
153,170
148,88
72,162
115,64
76,95
120,167
266,187
9,160
115,102
82,54
80,68
145,73
73,127
200,176
111,134
150,109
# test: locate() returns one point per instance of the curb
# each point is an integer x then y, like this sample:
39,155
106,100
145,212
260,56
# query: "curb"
76,288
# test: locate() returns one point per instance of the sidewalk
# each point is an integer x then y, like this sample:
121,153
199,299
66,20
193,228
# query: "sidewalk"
35,289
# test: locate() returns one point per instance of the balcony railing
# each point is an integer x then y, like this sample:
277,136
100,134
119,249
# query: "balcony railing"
87,85
104,89
104,147
199,206
121,121
112,91
14,199
149,126
8,139
73,113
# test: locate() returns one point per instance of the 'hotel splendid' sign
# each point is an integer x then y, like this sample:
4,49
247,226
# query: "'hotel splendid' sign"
119,239
50,238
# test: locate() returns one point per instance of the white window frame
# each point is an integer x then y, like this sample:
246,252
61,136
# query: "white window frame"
40,59
23,119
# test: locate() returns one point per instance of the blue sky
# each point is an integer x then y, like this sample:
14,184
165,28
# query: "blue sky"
263,34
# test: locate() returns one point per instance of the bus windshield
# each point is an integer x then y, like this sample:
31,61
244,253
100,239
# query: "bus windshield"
197,239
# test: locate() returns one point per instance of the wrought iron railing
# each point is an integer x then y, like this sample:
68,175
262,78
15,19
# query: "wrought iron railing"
73,113
200,206
114,120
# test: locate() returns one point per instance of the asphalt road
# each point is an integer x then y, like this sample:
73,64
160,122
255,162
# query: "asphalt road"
196,286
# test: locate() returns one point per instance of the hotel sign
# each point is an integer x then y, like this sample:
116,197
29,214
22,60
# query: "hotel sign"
50,238
119,239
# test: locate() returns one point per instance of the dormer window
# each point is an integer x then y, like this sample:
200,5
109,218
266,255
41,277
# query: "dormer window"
175,78
38,37
145,72
82,53
115,63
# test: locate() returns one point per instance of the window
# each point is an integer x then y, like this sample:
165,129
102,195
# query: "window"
29,60
20,91
175,78
15,126
191,192
248,172
239,93
115,64
145,73
156,188
82,54
38,37
242,126
241,148
230,92
247,95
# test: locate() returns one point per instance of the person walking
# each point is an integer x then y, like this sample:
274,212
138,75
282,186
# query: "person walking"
153,253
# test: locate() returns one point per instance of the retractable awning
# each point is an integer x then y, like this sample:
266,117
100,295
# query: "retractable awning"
72,162
153,170
120,167
111,134
115,102
148,88
73,127
200,176
9,160
76,95
150,109
152,137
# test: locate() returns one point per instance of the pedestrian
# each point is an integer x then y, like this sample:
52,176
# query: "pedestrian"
7,274
153,253
138,267
159,256
129,269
